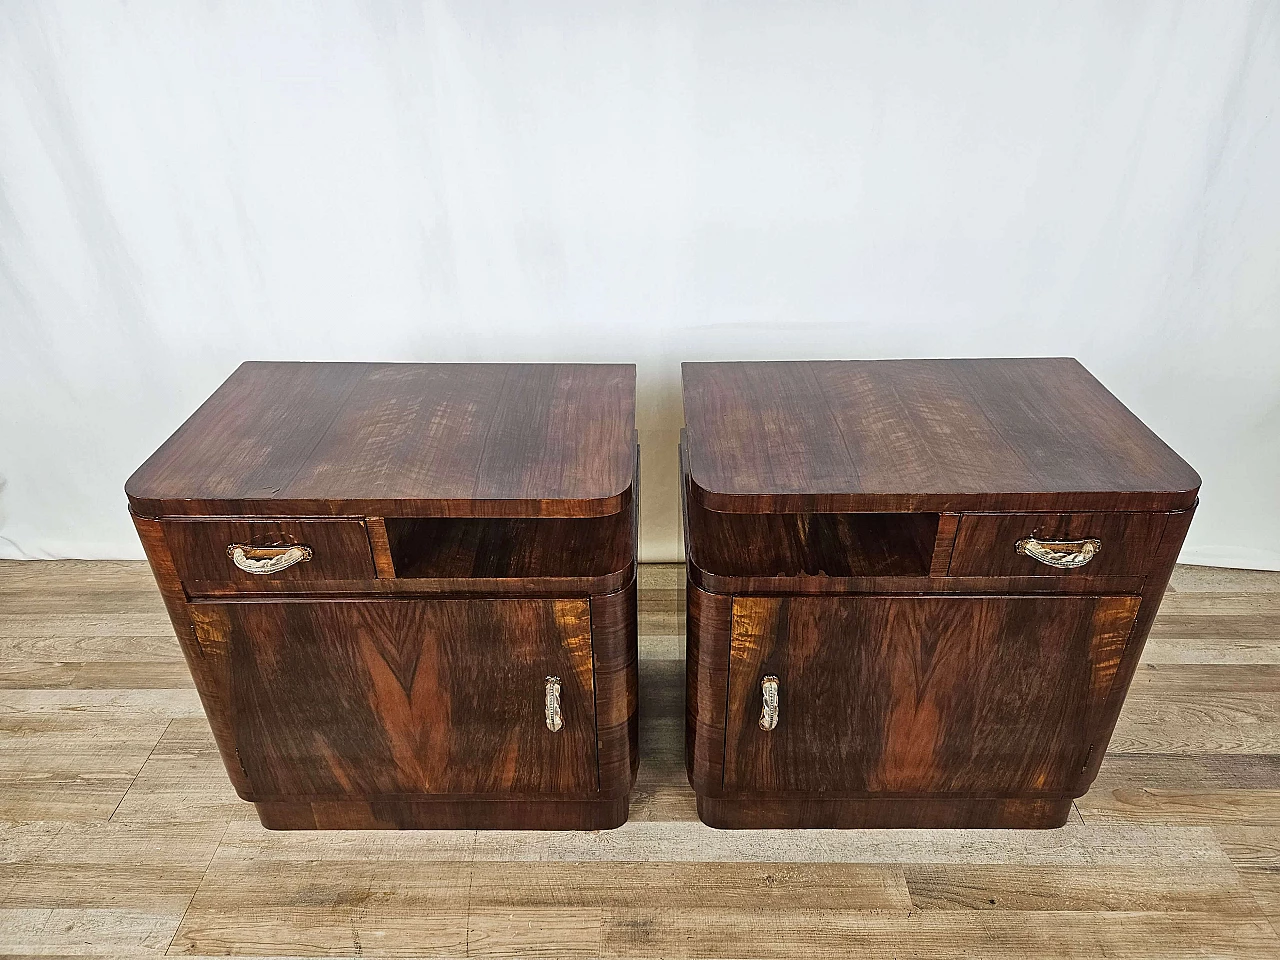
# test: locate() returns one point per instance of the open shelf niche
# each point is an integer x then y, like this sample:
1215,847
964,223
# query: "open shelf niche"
812,544
509,547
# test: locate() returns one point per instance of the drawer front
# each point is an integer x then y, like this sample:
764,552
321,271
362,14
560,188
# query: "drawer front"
987,544
911,696
336,549
401,698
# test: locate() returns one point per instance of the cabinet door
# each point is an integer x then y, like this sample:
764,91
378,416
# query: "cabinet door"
385,698
979,696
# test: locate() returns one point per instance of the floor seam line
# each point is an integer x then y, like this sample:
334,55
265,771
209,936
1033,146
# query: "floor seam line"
471,880
226,828
142,766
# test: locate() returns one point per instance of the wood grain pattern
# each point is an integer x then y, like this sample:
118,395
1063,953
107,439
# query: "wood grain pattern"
441,814
400,439
867,813
120,835
340,550
818,586
617,689
944,544
380,546
920,696
863,517
919,436
710,618
819,545
539,587
473,531
985,543
1162,562
388,699
587,548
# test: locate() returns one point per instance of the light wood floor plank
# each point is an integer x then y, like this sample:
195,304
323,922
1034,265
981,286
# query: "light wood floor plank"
78,801
1193,708
86,626
1094,888
78,648
77,932
114,866
1255,851
1189,579
496,908
935,935
75,709
99,675
640,841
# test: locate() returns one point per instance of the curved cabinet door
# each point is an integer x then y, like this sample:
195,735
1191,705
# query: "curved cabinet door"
387,698
976,696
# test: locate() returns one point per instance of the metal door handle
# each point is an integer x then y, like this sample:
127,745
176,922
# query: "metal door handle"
554,720
769,712
1064,554
267,560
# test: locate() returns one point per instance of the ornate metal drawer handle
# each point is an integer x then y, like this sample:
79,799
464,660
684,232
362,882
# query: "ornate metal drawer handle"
266,560
769,712
554,720
1064,554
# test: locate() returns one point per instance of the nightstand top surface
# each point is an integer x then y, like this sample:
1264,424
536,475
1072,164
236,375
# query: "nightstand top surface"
901,435
431,439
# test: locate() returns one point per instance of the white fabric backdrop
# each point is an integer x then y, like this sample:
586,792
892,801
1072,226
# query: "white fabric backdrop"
184,186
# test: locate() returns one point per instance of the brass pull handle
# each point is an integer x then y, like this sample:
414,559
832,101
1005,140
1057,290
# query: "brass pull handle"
266,560
769,712
554,720
1064,554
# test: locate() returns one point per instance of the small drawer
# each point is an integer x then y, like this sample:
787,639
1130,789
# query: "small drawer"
254,552
1055,544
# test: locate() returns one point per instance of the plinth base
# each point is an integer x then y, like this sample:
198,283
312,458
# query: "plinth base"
443,814
771,813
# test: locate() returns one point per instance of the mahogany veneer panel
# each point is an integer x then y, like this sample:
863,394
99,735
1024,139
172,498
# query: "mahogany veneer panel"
504,548
812,544
444,814
401,439
764,813
985,543
396,698
921,696
835,436
340,550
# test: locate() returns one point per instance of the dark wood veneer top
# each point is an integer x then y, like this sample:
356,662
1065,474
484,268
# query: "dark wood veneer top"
900,435
401,439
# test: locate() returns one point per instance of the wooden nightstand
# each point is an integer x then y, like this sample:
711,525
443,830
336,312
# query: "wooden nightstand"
406,592
918,589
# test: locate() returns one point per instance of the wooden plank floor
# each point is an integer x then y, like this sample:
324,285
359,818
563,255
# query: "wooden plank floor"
120,836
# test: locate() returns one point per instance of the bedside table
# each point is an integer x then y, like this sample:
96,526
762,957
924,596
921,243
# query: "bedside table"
406,592
917,589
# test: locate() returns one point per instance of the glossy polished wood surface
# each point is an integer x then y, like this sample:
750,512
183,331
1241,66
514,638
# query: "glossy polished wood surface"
340,551
382,699
852,533
836,436
920,696
401,439
122,837
916,813
398,677
985,543
489,548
